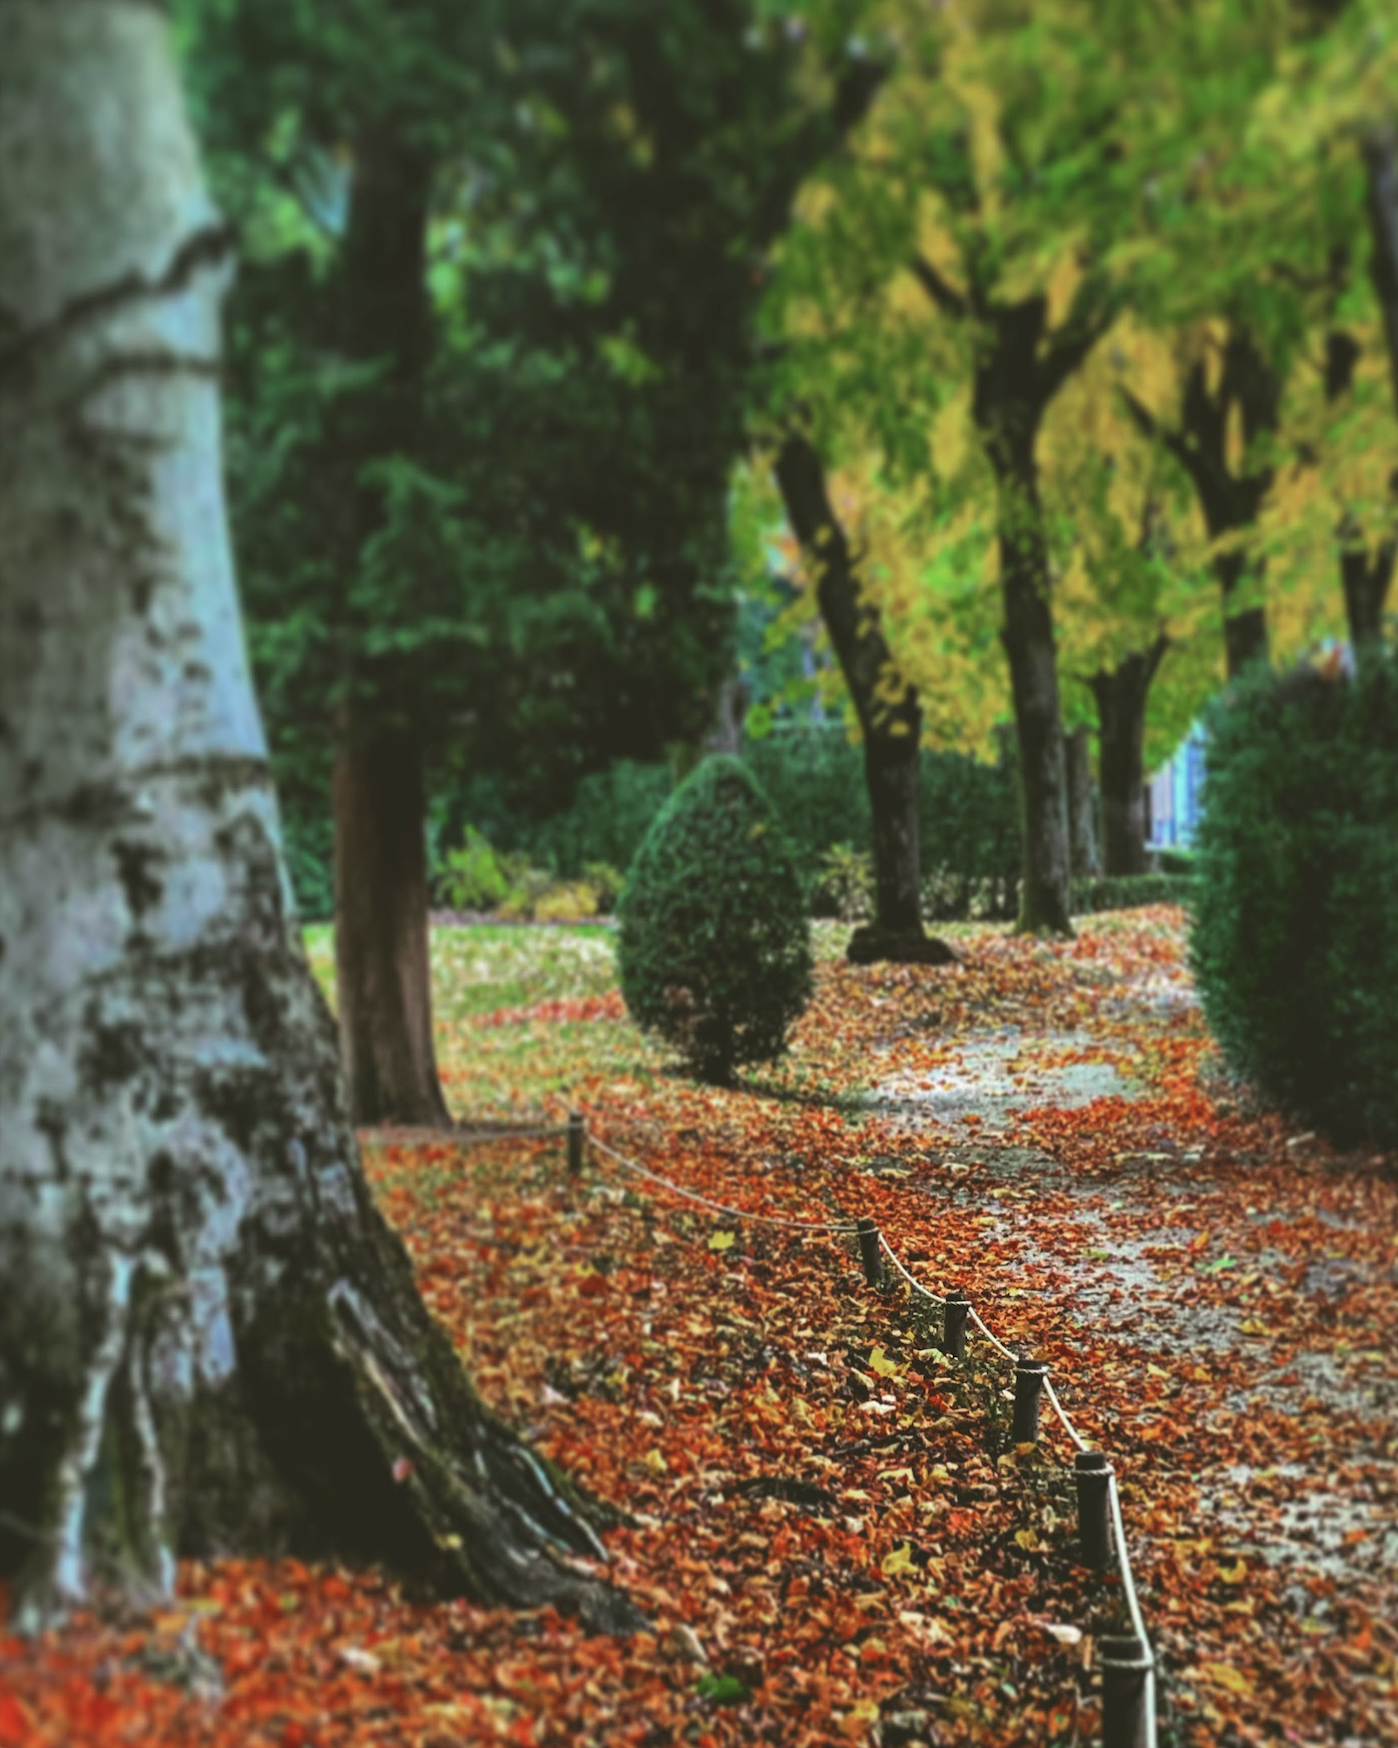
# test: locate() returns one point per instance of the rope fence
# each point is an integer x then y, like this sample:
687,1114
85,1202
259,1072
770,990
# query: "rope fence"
1127,1660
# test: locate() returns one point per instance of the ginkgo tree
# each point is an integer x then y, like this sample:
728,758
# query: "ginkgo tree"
957,269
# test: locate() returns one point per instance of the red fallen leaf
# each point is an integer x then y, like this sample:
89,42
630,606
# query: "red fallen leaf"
16,1725
402,1468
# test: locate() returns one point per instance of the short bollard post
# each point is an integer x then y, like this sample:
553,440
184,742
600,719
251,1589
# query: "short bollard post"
577,1132
869,1252
955,1308
1094,1478
1126,1675
1029,1384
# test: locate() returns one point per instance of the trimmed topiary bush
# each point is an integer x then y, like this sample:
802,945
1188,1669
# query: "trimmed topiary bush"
1295,938
714,949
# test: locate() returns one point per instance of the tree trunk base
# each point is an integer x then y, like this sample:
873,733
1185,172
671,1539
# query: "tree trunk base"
869,945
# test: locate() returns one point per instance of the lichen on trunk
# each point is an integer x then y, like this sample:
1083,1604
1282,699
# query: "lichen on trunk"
210,1341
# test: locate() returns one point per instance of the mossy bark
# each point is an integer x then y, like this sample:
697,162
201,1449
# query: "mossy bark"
210,1341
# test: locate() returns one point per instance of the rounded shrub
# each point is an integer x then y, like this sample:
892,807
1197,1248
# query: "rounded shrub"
714,949
1295,936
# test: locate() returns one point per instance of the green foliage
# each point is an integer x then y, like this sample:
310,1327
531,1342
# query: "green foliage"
475,877
714,950
844,884
1295,940
610,813
306,841
516,512
1129,891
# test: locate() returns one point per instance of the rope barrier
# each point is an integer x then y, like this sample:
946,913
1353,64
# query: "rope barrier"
1061,1412
1139,1663
480,1135
994,1340
654,1177
1128,1583
916,1286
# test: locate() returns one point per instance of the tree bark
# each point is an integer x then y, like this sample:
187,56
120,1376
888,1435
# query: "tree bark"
1366,580
1082,811
1365,577
887,707
1230,501
1121,693
382,979
1018,371
1381,167
382,969
210,1340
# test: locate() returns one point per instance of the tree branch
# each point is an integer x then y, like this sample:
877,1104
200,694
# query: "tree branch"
945,295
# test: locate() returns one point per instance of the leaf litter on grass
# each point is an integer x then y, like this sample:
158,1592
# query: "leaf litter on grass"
822,1516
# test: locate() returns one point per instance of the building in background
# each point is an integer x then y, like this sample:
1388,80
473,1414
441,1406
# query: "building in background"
1174,796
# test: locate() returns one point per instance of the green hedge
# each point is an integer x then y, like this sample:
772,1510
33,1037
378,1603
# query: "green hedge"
813,777
1295,939
1130,891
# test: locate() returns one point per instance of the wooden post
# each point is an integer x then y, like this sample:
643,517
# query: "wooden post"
869,1252
577,1134
1029,1384
954,1309
1126,1676
1094,1478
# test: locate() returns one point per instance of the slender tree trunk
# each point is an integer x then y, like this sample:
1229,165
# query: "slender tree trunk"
891,772
1230,501
1121,695
1366,581
1365,578
381,958
890,719
1027,634
210,1341
1381,165
383,987
1245,631
1082,809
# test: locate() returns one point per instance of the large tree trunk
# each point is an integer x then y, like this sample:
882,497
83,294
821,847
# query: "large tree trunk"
889,715
382,970
210,1340
1121,693
383,989
1082,811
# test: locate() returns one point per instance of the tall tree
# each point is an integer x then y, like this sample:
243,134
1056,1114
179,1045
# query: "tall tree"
209,1337
537,318
890,717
